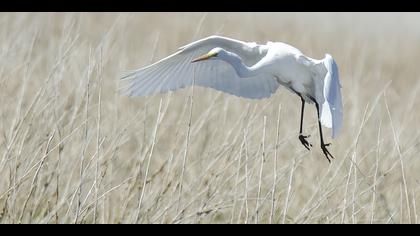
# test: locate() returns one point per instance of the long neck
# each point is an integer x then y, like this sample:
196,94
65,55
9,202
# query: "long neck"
241,69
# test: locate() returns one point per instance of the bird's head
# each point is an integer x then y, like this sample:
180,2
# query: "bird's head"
212,54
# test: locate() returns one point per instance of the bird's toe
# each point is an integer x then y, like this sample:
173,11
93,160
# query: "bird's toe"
305,142
326,152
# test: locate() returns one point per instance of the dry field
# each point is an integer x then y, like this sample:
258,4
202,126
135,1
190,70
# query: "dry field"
72,150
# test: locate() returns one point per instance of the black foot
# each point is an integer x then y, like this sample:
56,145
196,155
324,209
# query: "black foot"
326,152
304,142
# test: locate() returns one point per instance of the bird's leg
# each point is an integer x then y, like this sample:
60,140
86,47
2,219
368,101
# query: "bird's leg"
302,137
323,145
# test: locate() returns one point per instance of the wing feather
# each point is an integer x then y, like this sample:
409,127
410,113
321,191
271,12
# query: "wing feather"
176,72
332,109
329,95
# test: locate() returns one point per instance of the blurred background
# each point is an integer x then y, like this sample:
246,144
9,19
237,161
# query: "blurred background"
73,150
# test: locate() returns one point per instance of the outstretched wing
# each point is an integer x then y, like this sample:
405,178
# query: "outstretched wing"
176,71
332,109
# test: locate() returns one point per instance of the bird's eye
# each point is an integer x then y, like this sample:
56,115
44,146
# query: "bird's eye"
216,54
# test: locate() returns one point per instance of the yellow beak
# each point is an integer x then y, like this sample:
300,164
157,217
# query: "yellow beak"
203,57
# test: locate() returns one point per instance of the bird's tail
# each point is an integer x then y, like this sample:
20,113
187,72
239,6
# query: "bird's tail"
331,115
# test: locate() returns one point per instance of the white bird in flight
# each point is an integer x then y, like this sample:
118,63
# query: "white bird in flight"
248,70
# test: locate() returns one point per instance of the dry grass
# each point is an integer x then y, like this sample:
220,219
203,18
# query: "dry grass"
72,150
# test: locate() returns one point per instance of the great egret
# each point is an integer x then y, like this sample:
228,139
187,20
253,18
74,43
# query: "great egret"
247,70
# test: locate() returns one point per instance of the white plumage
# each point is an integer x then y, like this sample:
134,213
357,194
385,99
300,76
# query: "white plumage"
332,108
248,70
176,71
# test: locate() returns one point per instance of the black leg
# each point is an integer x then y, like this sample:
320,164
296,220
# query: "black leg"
323,145
302,137
301,115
